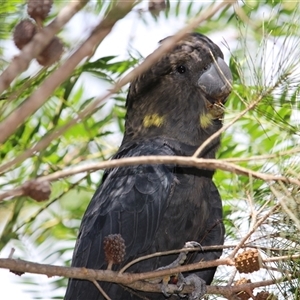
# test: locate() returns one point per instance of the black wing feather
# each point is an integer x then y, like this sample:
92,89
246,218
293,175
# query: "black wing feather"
130,201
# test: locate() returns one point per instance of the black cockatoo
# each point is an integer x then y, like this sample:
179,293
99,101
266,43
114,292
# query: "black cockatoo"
172,108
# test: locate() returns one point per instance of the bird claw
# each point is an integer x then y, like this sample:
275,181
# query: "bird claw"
199,284
183,255
167,291
180,283
192,244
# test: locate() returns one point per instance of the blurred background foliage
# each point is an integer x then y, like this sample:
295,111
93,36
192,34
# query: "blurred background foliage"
261,41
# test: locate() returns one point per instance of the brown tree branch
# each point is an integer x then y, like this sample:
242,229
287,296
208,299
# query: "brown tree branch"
203,163
18,265
135,281
91,108
40,96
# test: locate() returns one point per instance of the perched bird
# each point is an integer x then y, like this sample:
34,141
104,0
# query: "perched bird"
172,109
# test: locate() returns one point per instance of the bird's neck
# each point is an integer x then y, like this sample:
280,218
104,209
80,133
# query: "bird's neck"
183,119
186,132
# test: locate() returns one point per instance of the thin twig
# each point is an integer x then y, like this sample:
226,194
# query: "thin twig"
264,156
231,277
253,212
43,208
252,230
100,289
283,202
164,253
12,251
281,258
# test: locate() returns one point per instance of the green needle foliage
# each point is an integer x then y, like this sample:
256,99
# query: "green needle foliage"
262,40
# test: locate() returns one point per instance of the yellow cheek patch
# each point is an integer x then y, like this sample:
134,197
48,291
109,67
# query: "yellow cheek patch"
205,120
153,120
